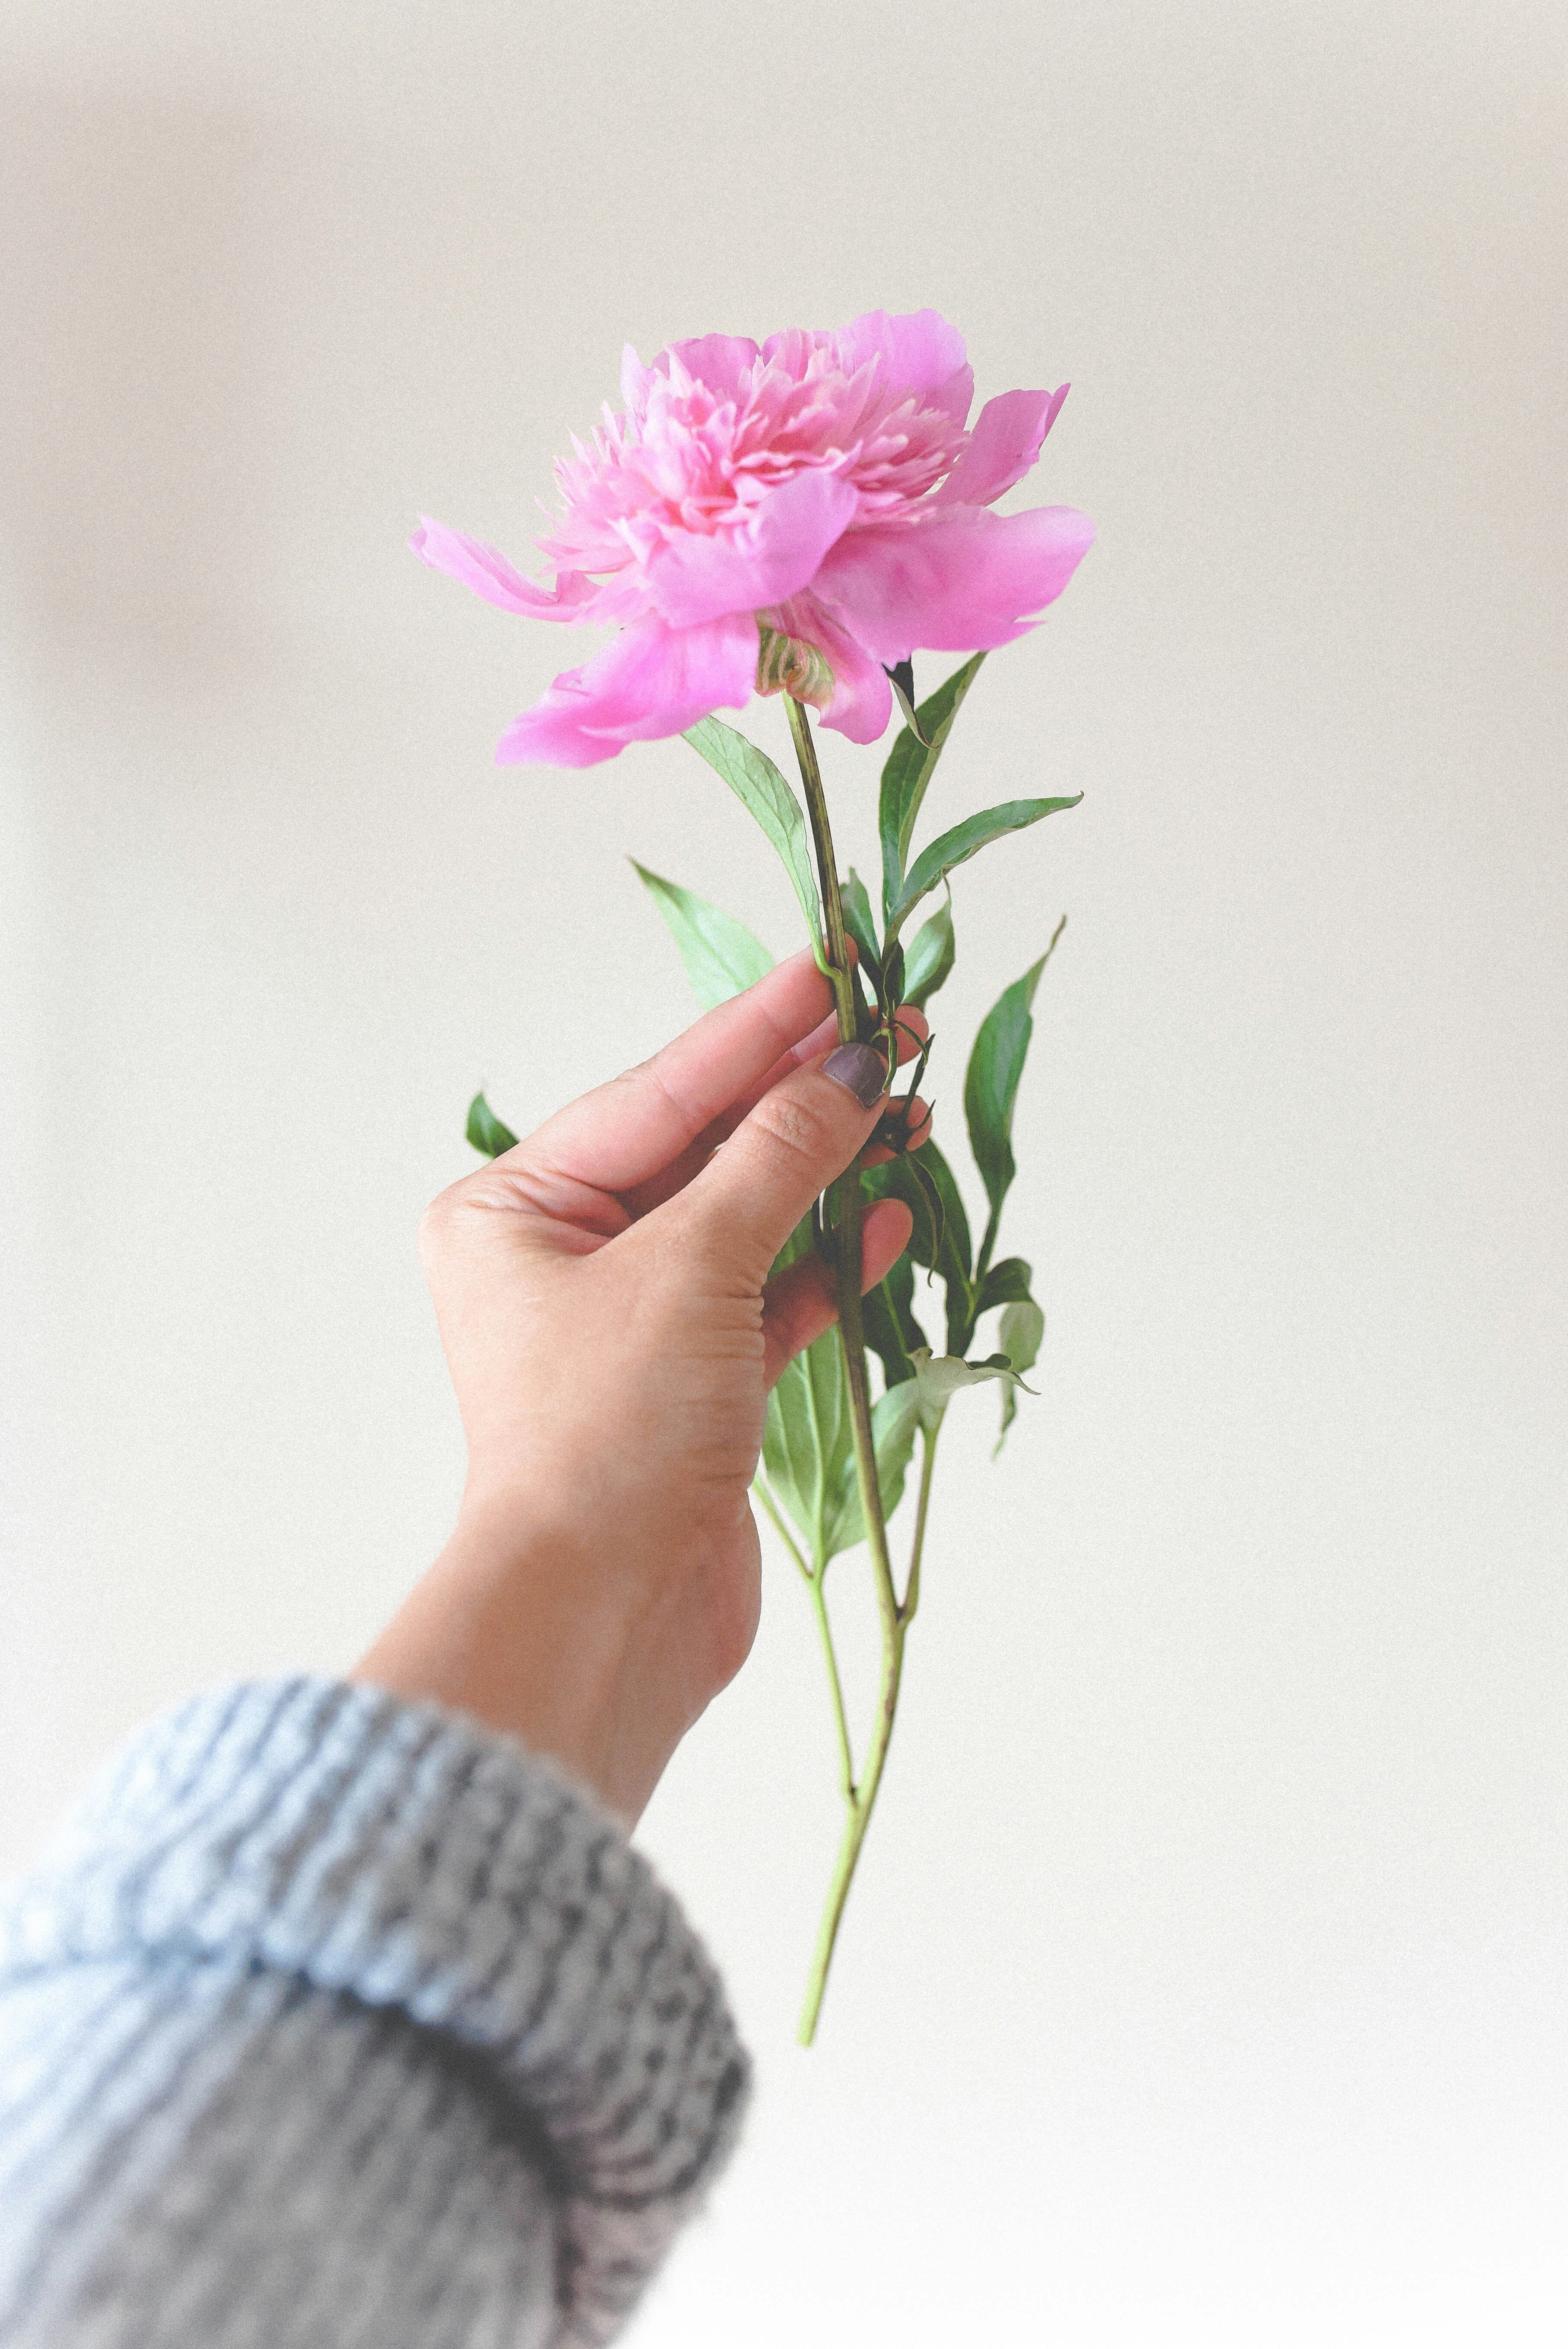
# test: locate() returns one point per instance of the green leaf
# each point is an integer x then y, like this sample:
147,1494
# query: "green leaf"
1020,1335
895,1423
806,1439
967,839
906,776
721,957
930,959
892,1331
485,1130
859,925
1006,1283
801,1242
940,1241
901,676
765,794
991,1081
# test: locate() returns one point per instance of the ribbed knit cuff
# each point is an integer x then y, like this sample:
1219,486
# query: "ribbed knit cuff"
411,1859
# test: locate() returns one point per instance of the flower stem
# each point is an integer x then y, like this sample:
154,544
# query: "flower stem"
839,976
854,1835
846,1205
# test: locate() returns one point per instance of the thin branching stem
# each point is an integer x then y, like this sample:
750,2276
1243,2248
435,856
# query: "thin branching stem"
928,1436
780,1528
846,1750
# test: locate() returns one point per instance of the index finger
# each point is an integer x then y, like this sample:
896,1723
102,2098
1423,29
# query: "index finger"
623,1132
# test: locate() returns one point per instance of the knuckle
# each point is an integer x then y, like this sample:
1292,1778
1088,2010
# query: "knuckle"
796,1125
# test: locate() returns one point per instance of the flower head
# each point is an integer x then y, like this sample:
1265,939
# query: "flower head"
799,516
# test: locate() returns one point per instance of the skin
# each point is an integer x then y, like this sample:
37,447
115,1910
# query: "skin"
603,1297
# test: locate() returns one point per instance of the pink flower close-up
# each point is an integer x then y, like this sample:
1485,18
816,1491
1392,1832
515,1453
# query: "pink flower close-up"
800,515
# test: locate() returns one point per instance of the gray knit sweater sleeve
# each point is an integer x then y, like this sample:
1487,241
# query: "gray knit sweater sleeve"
335,2020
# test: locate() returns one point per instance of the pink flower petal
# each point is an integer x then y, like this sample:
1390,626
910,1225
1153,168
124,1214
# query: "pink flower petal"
489,574
634,374
649,681
760,562
863,698
921,352
966,580
1007,440
717,360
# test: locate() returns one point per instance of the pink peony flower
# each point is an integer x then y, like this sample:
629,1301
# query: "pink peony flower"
800,516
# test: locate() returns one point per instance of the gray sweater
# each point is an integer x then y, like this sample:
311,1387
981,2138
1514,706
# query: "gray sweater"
333,2021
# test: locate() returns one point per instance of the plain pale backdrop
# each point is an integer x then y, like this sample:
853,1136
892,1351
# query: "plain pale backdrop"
1205,1980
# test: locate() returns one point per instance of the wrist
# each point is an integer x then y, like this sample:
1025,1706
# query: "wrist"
518,1625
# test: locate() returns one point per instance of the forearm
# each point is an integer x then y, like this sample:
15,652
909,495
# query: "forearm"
335,2018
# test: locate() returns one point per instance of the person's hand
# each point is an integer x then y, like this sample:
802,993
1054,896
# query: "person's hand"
604,1300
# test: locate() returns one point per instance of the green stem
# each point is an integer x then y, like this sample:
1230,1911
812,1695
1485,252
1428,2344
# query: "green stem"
779,1527
854,1835
982,1261
847,1204
846,1751
928,1436
838,974
819,1600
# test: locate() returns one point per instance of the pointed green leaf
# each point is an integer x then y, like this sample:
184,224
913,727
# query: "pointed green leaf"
1006,1283
806,1439
766,796
892,1331
940,1241
967,839
991,1081
859,925
1020,1335
895,1423
721,957
485,1130
906,776
930,958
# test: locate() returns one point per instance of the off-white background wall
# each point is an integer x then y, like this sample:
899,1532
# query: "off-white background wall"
1205,1980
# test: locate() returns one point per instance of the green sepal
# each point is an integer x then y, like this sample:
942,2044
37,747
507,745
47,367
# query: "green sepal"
938,1379
1021,1334
930,958
721,957
765,794
967,839
486,1133
906,776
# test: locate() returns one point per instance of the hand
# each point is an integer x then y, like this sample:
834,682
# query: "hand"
604,1301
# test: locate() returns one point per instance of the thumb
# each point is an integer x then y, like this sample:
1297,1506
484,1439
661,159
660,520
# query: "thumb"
798,1139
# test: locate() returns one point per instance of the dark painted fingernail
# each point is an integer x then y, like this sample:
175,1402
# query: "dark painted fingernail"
861,1069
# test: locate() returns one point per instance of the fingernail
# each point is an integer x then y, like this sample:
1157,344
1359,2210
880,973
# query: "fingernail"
861,1070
